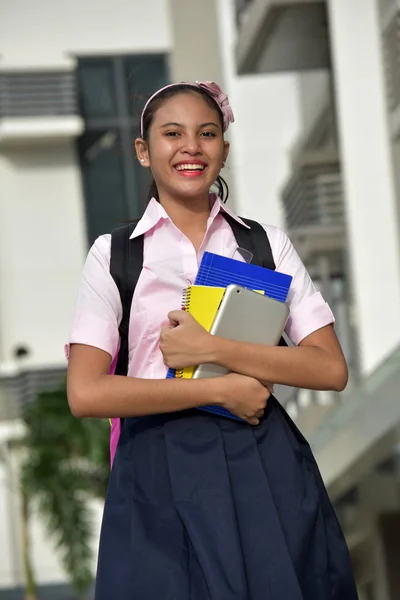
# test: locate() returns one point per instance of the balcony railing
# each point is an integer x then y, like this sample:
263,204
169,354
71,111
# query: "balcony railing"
313,195
390,35
37,94
18,390
316,223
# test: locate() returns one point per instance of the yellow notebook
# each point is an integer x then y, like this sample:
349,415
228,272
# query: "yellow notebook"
202,302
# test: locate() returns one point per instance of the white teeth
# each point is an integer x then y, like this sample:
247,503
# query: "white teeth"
192,167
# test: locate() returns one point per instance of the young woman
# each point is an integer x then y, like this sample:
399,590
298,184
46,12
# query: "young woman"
200,507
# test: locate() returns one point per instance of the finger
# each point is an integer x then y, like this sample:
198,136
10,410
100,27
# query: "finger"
164,330
177,317
253,421
260,413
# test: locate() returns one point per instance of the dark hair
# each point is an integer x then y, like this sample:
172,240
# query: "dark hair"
148,117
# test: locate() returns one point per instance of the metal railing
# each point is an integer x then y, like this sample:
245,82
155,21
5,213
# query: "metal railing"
21,389
314,194
37,94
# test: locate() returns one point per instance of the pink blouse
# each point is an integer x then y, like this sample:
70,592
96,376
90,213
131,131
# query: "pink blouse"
170,263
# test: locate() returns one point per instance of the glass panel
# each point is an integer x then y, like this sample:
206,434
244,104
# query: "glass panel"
116,186
144,76
96,88
102,170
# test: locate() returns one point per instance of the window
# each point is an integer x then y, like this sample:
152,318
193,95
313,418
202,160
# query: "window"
112,92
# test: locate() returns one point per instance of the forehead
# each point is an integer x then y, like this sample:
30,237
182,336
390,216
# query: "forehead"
186,107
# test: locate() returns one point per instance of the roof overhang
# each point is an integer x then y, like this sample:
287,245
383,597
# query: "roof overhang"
283,35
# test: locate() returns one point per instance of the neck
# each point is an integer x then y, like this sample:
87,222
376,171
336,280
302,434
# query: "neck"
188,214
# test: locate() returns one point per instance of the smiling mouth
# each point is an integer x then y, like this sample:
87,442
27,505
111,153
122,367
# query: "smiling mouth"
191,168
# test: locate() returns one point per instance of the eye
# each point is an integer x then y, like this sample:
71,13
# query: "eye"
172,134
208,134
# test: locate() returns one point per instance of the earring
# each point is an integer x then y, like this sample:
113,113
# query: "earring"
142,160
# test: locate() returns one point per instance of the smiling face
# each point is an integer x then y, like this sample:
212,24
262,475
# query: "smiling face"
185,147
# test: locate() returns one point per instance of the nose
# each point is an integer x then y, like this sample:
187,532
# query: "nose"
191,145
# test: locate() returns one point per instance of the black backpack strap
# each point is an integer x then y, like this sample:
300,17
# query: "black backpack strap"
126,263
254,239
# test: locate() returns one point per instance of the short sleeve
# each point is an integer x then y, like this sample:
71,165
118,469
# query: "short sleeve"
308,309
99,310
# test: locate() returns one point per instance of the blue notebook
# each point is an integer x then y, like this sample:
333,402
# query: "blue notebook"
219,271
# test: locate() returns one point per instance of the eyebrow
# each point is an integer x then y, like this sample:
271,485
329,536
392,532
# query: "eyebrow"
173,124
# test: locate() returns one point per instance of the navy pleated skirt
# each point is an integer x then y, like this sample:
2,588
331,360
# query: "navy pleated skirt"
200,507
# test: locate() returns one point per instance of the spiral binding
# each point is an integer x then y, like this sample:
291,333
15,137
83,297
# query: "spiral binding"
185,305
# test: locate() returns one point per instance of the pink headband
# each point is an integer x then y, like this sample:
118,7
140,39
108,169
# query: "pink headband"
212,89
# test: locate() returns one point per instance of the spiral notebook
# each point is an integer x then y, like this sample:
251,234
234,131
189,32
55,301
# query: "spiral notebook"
202,303
217,272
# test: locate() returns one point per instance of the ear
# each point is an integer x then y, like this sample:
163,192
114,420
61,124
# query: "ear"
227,147
142,152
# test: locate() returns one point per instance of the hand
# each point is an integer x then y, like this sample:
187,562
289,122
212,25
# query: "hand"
183,342
244,396
268,385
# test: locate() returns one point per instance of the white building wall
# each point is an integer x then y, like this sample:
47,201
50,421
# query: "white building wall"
266,109
42,248
314,96
368,176
267,123
50,33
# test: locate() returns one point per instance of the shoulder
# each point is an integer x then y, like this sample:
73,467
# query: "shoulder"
101,250
279,242
275,234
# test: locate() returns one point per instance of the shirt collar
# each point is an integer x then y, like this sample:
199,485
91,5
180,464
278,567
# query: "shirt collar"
155,212
218,207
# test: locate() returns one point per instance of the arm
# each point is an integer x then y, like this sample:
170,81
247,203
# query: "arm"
94,339
94,393
317,363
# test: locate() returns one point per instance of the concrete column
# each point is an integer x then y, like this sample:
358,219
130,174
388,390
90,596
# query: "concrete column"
196,51
368,176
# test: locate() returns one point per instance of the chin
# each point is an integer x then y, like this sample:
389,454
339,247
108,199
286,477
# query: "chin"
192,191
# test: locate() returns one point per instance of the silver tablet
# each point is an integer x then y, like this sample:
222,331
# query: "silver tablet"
245,316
